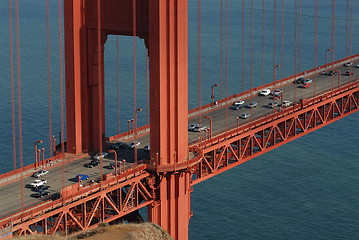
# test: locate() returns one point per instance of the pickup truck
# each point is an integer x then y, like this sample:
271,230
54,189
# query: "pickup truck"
38,183
264,92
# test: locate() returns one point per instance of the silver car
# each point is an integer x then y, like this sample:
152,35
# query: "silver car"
40,173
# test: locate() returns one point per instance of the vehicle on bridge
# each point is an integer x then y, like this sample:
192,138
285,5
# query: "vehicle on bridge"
41,194
195,127
98,156
252,105
272,104
305,85
277,92
348,64
264,92
146,148
38,183
134,144
92,164
332,73
118,145
348,73
245,115
286,103
239,102
81,177
41,188
40,173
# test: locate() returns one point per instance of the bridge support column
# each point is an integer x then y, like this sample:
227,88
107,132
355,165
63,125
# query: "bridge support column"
172,209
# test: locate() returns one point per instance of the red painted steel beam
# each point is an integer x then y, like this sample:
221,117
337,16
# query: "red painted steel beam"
239,145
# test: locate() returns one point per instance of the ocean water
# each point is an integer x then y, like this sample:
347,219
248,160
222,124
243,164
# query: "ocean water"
306,189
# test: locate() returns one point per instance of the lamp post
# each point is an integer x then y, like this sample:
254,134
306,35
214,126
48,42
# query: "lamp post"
116,159
212,96
339,73
128,125
210,125
38,157
43,154
237,120
134,126
275,72
124,165
326,56
54,144
35,149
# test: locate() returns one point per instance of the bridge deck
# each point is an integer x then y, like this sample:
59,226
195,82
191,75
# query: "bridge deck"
223,119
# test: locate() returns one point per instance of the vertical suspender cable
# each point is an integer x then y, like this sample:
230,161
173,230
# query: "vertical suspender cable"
263,42
147,88
300,36
347,29
251,52
282,39
134,20
99,81
274,34
118,84
61,138
199,52
351,28
19,100
315,40
220,47
333,29
49,77
295,47
11,59
242,45
226,60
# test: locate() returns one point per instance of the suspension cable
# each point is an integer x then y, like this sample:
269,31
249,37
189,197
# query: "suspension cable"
199,52
11,59
226,62
118,84
333,28
19,108
282,40
274,33
49,78
263,21
315,41
242,42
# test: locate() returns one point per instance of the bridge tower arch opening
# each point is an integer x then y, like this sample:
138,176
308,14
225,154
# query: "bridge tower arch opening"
163,25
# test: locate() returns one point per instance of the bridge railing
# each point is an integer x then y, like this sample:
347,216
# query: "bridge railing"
204,143
35,209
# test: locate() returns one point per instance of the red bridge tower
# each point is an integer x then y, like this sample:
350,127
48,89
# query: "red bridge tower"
163,24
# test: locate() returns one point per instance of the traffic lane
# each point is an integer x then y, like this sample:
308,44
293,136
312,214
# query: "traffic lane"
226,118
10,195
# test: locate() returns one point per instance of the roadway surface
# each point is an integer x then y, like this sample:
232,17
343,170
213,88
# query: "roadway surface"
223,119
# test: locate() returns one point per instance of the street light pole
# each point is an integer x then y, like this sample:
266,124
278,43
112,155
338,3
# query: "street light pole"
237,120
339,73
326,56
116,159
275,72
212,96
210,125
54,142
35,149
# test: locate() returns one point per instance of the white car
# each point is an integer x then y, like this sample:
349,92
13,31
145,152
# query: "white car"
238,103
277,92
348,64
40,173
195,127
245,115
286,103
38,183
134,144
98,156
264,92
357,66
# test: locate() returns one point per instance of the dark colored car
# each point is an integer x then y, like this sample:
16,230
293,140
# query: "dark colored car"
41,188
41,194
92,164
118,145
299,80
349,73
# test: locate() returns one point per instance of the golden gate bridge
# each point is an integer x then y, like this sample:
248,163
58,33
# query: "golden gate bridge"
162,178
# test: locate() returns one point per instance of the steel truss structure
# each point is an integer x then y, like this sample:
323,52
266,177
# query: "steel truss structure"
111,201
243,143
